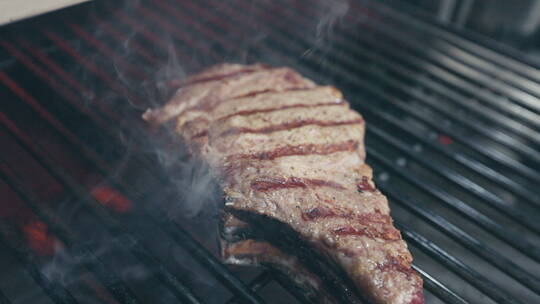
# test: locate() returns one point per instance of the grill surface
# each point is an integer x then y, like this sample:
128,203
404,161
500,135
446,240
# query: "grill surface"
97,209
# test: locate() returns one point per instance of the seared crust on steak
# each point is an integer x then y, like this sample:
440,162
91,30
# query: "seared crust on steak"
290,153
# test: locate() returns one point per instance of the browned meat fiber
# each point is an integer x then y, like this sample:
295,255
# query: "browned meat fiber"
288,152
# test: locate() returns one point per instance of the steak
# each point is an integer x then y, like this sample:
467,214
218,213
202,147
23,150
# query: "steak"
289,156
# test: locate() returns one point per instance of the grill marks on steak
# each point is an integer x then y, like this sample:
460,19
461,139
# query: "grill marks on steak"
300,122
193,125
222,74
290,156
283,126
273,183
373,225
205,95
309,136
298,105
301,149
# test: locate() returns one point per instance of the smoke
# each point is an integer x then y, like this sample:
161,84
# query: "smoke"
329,14
188,190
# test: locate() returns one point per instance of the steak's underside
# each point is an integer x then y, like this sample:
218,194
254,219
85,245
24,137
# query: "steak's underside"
289,156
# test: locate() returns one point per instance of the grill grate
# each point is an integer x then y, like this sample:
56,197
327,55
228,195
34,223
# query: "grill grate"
452,133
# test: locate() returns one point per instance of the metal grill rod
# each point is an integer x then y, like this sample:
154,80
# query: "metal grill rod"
455,99
478,68
172,28
497,136
42,73
107,51
440,290
473,277
61,44
258,283
518,97
493,257
102,121
464,160
291,288
135,26
111,31
478,218
430,29
465,183
444,73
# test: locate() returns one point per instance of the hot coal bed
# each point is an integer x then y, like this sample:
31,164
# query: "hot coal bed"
98,208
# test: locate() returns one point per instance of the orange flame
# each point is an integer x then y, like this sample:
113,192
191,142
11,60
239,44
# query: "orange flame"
112,199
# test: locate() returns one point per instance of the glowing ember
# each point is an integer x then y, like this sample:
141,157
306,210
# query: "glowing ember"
99,291
39,239
445,140
112,199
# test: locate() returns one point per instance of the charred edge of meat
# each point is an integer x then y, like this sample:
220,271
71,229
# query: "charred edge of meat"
234,234
305,291
365,186
334,278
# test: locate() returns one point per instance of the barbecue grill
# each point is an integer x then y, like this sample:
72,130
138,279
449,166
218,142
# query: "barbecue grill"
97,208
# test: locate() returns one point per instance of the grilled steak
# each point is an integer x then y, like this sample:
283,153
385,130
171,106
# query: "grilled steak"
289,154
